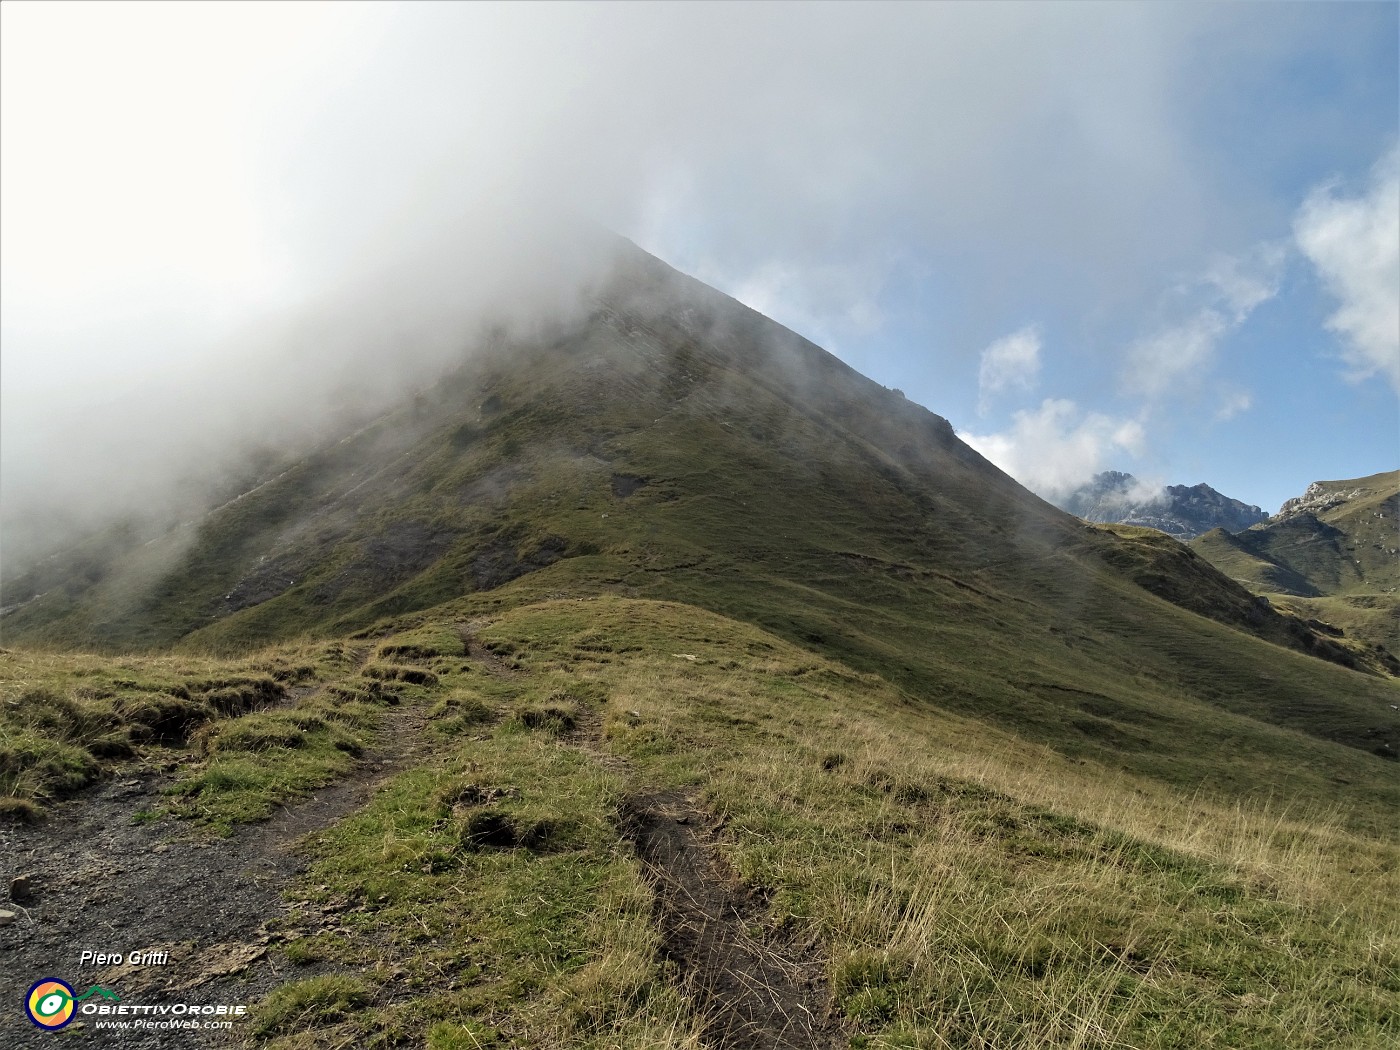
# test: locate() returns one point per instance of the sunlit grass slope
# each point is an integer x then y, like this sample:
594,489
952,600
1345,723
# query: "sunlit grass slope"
1346,540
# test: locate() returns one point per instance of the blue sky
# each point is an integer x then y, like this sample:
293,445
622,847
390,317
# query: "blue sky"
1160,238
1269,108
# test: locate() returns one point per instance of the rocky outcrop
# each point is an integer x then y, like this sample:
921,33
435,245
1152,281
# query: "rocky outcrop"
1316,499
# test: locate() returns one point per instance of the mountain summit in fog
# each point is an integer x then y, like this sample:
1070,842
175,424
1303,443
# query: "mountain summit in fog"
655,619
664,439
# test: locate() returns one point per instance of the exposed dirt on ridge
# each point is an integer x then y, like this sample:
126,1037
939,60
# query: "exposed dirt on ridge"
755,990
480,653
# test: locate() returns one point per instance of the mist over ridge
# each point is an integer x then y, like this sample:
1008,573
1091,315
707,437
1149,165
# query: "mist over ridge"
168,447
336,200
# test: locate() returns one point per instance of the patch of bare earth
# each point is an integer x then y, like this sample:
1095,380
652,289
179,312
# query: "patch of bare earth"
480,653
755,989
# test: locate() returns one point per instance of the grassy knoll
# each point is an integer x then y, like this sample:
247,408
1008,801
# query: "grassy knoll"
236,737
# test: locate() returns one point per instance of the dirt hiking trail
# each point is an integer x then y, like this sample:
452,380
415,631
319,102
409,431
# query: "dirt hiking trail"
754,990
102,882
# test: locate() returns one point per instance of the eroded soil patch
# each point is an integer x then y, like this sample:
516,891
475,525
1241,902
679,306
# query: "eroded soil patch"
480,653
756,990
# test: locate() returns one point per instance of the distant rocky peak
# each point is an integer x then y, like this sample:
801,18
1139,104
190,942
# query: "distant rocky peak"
1185,512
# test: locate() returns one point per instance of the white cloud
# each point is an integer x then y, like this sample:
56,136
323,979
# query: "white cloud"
1247,281
1145,492
1011,362
1233,403
826,303
1159,363
1054,449
1354,243
1205,310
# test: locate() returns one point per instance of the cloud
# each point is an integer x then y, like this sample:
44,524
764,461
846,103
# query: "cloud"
1012,362
802,298
1232,404
1241,283
1141,492
1054,449
1176,357
1354,244
1160,363
333,195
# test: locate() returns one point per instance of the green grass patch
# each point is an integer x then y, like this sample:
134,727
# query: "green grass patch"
314,1002
254,764
66,719
499,864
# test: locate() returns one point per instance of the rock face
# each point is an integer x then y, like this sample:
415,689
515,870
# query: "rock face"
1320,496
1181,511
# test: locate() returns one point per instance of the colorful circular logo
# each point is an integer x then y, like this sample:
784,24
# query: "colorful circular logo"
50,1003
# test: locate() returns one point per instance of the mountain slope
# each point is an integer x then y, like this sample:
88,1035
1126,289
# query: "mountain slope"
1340,537
673,444
1332,554
1182,512
656,681
546,799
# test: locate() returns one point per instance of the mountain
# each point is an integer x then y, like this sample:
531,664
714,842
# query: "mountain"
1331,555
654,679
1178,510
673,444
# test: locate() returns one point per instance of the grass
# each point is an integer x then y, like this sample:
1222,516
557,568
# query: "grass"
315,1001
65,719
965,888
240,737
542,933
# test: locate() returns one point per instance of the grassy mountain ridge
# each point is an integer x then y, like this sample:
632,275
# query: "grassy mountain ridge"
676,445
1331,556
1343,537
978,773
